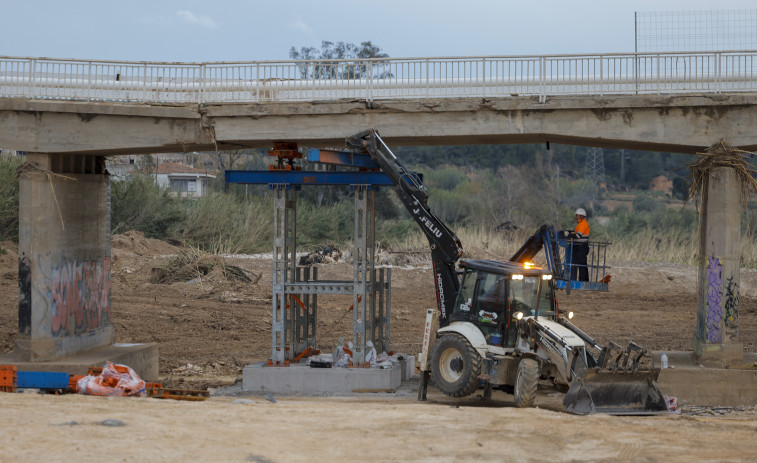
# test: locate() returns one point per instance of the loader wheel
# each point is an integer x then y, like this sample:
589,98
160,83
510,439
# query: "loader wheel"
526,381
455,366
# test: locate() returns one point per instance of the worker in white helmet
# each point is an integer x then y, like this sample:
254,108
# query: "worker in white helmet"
580,247
582,226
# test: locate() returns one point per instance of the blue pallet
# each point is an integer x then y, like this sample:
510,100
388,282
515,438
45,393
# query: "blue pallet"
41,380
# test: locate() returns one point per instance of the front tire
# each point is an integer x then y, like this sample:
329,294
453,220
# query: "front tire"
526,382
455,366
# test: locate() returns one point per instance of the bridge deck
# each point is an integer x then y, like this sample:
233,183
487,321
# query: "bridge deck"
379,79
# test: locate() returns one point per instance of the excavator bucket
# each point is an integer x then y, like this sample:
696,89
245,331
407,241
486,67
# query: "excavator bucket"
616,393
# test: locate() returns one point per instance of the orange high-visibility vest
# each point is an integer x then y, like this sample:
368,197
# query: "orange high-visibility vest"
582,228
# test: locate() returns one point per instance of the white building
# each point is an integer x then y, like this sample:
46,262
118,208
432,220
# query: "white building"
183,180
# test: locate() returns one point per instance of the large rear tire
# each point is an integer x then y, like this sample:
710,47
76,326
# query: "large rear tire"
526,382
455,366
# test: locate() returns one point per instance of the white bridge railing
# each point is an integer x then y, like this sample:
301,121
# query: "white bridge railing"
379,79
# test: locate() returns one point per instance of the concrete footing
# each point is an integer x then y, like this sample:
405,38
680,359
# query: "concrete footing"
142,358
300,378
693,384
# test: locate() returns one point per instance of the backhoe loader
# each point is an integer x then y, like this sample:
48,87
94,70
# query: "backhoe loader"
499,324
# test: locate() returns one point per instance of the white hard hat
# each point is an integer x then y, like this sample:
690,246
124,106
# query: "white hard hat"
580,211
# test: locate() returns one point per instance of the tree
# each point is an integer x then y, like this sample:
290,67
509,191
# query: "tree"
329,61
338,50
512,192
227,161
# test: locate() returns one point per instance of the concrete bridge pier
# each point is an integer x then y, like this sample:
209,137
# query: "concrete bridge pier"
64,257
64,310
716,340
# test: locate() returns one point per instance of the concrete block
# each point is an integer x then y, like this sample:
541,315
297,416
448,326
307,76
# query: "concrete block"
719,355
693,384
407,365
301,379
142,358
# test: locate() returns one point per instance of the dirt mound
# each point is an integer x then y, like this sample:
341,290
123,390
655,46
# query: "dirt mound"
8,260
9,249
403,258
136,243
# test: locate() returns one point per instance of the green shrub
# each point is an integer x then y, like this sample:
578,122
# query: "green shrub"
446,178
645,204
220,223
394,232
139,204
319,225
9,197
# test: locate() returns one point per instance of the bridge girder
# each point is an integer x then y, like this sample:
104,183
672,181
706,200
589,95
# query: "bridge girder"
684,124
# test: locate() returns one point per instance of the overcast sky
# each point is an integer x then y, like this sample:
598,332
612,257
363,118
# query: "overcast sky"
229,30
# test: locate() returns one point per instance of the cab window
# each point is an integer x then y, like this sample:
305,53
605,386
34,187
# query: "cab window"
465,295
491,306
524,292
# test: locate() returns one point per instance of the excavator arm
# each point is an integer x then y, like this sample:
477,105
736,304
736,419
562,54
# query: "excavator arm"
446,248
545,237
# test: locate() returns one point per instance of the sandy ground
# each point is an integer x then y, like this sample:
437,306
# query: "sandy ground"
70,428
210,328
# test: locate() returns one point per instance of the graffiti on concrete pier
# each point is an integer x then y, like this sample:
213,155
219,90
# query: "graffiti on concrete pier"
80,296
731,310
714,296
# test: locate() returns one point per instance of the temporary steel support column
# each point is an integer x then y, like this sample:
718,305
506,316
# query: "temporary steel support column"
370,321
296,289
284,266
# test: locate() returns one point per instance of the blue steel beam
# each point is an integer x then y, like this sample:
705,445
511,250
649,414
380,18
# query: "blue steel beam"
299,177
342,158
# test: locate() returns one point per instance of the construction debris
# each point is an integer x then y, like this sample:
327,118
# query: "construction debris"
193,264
113,380
157,391
342,357
718,411
328,255
113,422
110,380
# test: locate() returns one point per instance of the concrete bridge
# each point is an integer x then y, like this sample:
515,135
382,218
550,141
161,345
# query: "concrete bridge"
677,102
69,114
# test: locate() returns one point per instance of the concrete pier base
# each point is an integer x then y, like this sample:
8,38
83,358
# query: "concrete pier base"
301,379
142,358
693,384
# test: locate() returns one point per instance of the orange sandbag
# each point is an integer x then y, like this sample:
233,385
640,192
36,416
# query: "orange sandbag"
115,380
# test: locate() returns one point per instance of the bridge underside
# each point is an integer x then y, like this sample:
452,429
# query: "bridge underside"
683,124
64,246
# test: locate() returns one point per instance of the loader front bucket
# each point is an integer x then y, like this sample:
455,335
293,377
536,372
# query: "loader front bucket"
616,393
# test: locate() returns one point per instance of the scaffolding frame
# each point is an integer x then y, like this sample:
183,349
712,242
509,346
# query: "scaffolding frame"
296,289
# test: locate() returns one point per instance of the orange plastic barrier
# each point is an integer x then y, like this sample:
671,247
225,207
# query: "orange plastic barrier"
8,378
115,380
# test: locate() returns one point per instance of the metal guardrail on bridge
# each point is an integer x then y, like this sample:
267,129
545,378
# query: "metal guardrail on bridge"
379,79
